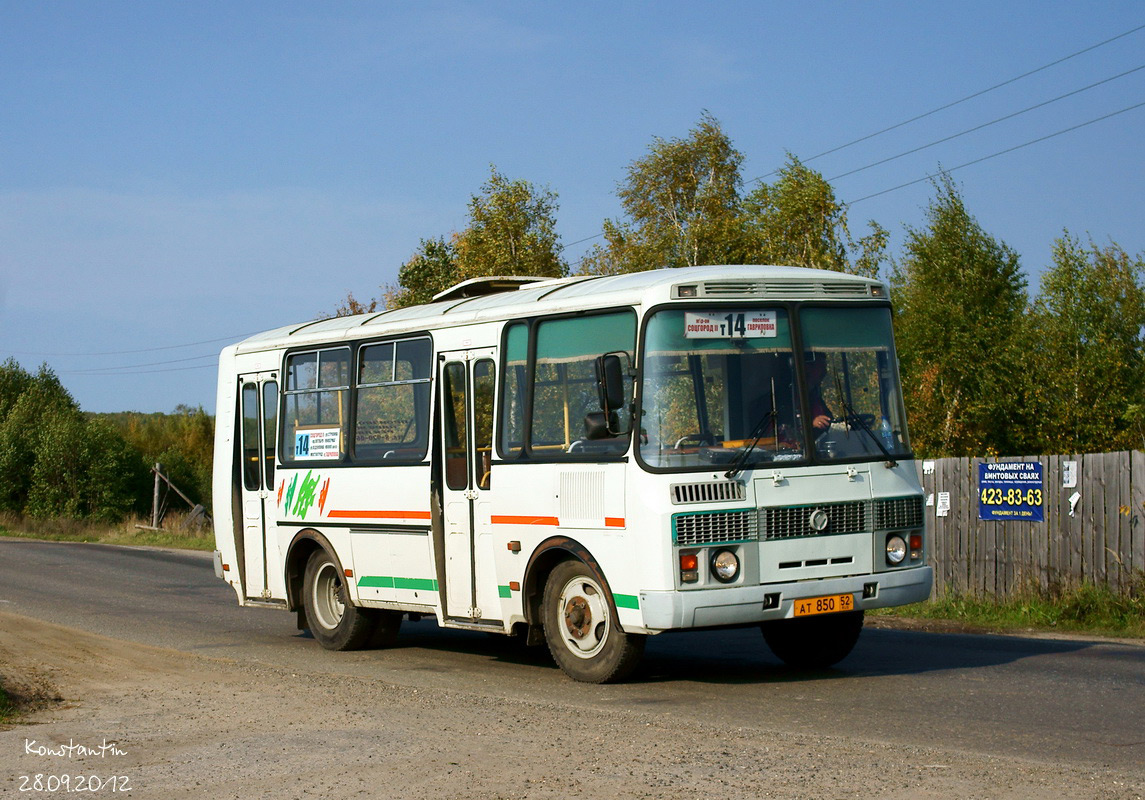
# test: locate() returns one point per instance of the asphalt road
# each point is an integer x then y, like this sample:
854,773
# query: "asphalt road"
1073,702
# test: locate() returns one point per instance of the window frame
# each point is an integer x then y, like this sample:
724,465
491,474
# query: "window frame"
794,309
286,447
348,456
527,453
427,409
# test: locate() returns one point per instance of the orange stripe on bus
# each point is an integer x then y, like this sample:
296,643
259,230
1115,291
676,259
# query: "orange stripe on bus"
510,520
342,514
614,522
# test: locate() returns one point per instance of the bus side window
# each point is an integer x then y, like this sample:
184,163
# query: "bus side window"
513,384
315,411
483,393
270,429
392,407
250,437
565,388
456,436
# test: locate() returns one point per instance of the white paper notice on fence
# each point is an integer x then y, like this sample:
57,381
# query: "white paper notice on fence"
927,467
1073,498
1069,474
930,499
943,504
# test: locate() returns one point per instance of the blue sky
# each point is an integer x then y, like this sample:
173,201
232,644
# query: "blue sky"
177,175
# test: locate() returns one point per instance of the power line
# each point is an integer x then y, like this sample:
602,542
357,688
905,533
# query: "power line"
954,136
234,338
999,153
580,241
962,100
94,370
137,372
984,125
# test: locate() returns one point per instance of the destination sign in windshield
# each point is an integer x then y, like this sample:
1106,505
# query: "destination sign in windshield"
730,325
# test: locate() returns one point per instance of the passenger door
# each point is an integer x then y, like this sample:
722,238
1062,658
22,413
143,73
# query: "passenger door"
258,400
467,382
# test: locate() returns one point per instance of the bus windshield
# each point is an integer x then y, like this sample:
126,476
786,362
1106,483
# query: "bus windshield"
727,386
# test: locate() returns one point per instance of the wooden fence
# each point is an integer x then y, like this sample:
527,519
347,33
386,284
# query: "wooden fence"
1102,541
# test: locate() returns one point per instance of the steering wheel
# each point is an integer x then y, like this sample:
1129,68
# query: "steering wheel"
864,420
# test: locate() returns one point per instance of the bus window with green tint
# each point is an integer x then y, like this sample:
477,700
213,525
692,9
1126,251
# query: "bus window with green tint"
565,385
856,407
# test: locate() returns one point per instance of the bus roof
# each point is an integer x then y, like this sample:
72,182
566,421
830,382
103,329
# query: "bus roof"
506,298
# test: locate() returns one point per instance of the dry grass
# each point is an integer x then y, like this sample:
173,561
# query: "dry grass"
1078,608
19,697
175,533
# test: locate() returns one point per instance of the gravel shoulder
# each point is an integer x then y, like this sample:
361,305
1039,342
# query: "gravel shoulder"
175,725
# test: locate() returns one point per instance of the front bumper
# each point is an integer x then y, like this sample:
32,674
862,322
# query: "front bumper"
741,605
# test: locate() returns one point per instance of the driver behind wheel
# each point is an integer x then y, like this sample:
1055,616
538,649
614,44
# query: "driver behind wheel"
815,367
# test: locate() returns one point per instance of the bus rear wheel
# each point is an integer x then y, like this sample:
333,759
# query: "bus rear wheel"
335,622
581,628
814,642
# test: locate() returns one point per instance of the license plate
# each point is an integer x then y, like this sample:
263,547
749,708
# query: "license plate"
829,604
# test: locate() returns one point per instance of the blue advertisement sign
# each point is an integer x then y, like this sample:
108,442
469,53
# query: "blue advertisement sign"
1010,491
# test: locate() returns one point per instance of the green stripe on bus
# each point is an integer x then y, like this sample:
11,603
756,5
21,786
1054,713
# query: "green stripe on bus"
416,583
504,591
626,600
387,582
375,582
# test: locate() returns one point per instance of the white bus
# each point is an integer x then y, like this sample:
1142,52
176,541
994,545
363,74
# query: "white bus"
584,462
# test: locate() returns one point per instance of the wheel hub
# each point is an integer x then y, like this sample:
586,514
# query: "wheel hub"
578,617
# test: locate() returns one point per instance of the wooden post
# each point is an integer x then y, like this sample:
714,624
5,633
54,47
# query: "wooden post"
155,497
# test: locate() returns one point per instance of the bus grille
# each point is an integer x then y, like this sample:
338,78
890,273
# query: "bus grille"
718,526
789,522
783,288
785,523
901,512
708,492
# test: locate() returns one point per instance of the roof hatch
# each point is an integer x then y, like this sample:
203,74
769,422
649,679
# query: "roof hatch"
477,287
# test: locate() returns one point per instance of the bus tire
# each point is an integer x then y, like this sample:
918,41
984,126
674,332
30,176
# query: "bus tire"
386,625
335,622
581,627
814,642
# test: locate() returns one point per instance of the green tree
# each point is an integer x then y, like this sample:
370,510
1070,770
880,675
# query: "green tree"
83,469
43,398
511,231
1086,350
56,461
14,381
798,221
960,296
432,269
352,306
682,206
182,441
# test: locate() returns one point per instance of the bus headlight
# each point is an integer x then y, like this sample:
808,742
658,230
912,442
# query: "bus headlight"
896,549
725,566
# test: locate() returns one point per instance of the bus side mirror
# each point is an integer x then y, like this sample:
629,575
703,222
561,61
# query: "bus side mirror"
610,389
598,426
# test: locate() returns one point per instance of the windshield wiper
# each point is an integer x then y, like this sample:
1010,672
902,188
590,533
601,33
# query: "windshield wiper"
852,418
740,460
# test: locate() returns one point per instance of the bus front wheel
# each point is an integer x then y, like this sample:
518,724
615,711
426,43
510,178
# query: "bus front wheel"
335,622
581,628
814,642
